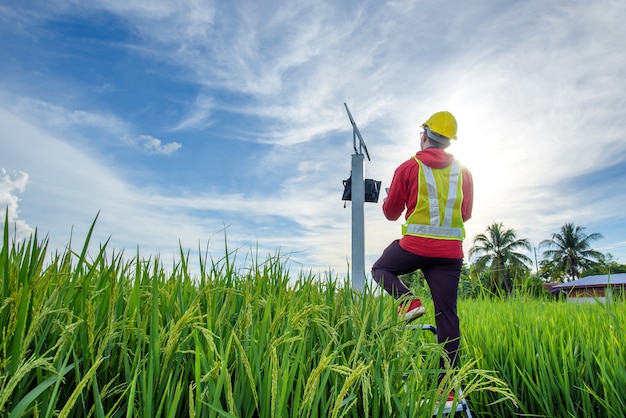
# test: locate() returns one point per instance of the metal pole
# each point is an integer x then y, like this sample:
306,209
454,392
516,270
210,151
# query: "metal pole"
358,223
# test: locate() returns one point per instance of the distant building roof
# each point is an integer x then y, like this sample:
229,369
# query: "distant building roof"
600,280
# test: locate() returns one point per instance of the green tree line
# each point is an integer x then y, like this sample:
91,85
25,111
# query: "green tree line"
500,261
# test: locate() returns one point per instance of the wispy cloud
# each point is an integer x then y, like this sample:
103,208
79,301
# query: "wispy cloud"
57,117
198,116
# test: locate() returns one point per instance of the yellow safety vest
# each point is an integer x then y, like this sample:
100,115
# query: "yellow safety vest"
437,211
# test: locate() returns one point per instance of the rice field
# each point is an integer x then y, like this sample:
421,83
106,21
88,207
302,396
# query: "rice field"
99,334
561,359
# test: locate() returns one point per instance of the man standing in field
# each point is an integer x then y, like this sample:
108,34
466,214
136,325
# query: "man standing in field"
437,193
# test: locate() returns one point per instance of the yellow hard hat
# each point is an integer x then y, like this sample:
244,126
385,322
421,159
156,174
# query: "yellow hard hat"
442,123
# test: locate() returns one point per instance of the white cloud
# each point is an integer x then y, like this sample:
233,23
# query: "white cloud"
536,87
155,146
9,202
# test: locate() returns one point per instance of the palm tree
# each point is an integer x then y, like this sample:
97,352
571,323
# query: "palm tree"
498,250
570,250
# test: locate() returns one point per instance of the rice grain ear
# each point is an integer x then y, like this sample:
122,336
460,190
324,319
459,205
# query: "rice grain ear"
242,356
76,393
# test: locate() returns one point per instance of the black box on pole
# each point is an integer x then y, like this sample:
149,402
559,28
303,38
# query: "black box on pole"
372,190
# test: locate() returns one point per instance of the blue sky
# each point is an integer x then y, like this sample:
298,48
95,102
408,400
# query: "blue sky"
177,120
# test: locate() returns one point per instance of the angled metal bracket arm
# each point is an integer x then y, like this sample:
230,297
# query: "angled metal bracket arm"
356,133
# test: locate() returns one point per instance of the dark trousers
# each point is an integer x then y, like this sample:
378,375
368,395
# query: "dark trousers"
442,276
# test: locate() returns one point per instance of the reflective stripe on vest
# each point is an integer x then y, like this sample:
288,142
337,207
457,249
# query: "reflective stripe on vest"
438,228
442,231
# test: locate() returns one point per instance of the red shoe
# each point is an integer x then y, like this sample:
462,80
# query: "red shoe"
411,311
450,400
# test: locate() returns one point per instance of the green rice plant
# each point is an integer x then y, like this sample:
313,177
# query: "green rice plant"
560,359
87,333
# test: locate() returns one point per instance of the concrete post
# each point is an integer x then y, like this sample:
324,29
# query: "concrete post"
358,223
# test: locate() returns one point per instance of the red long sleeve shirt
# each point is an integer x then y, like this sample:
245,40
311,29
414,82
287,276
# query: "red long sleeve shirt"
403,195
